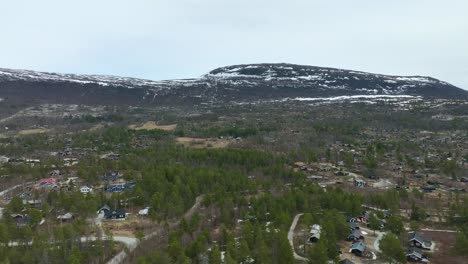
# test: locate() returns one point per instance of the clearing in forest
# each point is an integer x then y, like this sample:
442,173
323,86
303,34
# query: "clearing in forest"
33,131
203,142
151,125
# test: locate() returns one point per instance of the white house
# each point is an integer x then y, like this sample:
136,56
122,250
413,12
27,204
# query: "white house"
85,189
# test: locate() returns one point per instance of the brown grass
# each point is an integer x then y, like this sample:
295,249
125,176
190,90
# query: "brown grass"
151,125
33,131
203,142
443,253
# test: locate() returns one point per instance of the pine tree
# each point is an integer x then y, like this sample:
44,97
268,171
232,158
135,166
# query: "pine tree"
318,254
391,248
215,255
374,223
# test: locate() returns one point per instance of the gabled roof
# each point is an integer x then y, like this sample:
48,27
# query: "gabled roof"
119,211
66,216
115,214
356,233
412,251
353,225
315,232
105,208
18,215
32,202
360,246
419,238
346,261
48,180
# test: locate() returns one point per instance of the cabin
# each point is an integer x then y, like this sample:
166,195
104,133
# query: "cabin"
359,183
324,169
65,217
47,180
353,226
68,162
358,248
21,219
315,233
111,176
32,203
356,235
104,209
387,213
130,185
115,214
341,173
55,173
415,255
383,223
364,218
416,240
85,189
115,188
434,182
314,177
48,183
428,189
110,156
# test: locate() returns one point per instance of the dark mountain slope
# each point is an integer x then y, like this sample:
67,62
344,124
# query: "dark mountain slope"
239,83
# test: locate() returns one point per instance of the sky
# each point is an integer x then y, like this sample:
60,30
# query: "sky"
170,39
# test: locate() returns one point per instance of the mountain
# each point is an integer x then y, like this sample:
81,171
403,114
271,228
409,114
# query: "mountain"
232,84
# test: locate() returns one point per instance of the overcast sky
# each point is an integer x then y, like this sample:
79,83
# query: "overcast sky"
169,39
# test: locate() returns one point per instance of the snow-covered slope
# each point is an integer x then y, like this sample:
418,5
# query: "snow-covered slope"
103,80
239,83
328,78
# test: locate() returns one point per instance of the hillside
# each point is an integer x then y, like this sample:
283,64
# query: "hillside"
232,84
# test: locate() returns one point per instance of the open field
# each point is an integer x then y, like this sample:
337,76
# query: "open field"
152,125
203,142
33,131
443,253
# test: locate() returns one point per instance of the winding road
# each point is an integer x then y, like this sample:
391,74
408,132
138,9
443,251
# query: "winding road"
291,237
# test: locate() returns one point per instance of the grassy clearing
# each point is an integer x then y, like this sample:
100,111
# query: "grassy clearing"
33,131
151,125
203,142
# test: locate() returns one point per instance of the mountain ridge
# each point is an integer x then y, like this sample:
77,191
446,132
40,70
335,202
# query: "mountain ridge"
235,83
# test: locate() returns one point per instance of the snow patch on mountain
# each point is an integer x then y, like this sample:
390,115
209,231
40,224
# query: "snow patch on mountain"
102,80
350,97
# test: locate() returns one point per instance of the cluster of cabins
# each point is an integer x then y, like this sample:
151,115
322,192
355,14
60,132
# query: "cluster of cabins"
120,187
416,242
112,182
23,219
118,214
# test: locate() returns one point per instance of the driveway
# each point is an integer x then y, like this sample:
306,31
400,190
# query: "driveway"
291,237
